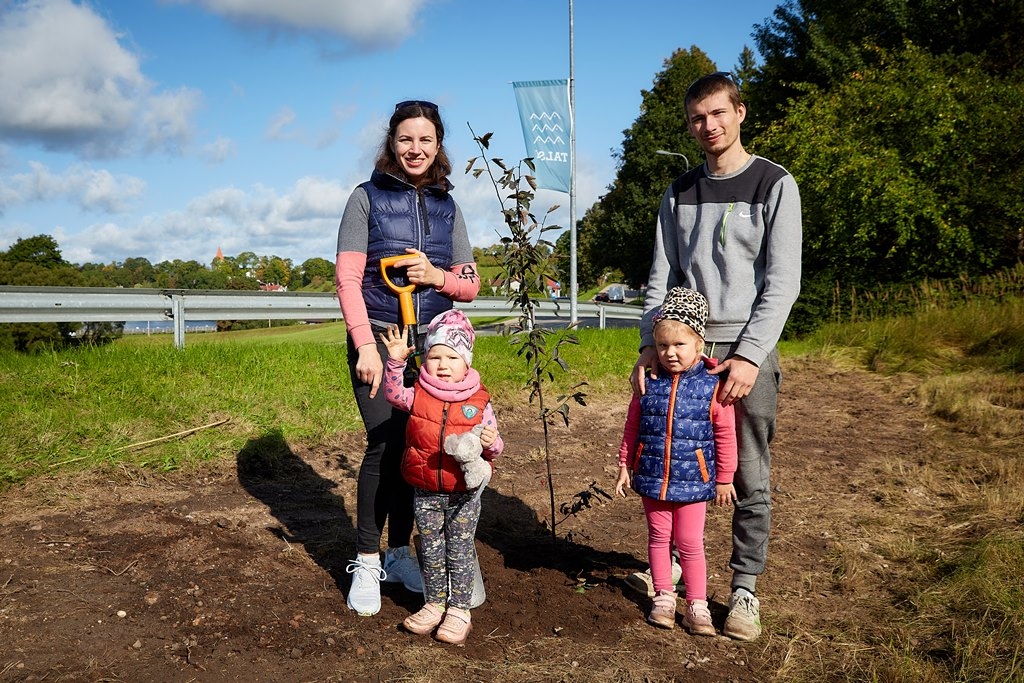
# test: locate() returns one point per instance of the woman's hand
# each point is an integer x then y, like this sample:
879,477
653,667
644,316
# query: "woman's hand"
397,343
420,271
369,367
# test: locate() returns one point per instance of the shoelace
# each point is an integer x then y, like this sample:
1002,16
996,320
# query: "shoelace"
745,605
355,565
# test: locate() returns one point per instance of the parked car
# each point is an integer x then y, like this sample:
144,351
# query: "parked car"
616,294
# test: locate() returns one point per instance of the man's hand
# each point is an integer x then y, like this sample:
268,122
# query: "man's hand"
648,359
738,382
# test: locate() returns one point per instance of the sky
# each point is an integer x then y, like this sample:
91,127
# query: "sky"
166,129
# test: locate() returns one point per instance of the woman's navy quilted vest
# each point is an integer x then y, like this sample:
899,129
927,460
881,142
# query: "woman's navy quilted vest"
400,217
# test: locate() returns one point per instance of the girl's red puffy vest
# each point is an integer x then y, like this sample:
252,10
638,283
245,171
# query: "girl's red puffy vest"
425,465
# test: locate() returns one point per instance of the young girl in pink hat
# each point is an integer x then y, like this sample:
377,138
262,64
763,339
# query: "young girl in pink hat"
447,399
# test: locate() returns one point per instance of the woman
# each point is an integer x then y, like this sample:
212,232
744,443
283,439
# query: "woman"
405,208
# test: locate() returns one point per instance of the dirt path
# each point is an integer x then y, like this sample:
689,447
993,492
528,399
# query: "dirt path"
237,573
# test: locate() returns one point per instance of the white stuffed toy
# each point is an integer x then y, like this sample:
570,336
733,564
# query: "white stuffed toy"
466,449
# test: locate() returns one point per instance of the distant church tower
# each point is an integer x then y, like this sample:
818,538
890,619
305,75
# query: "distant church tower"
220,255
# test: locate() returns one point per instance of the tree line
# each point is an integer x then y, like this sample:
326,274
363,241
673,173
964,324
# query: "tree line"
899,119
37,261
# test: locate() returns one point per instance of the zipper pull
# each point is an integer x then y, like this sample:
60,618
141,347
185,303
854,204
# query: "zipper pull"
725,220
423,210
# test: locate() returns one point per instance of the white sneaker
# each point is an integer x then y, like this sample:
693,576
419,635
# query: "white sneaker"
642,582
744,620
400,567
364,594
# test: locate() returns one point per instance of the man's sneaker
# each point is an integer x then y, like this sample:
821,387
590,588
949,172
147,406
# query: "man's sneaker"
663,610
400,567
364,594
744,620
697,618
642,582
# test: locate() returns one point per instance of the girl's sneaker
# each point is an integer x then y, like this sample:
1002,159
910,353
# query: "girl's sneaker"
424,621
455,628
697,618
663,610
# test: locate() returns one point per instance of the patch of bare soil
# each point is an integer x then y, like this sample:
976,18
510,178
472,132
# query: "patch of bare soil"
237,573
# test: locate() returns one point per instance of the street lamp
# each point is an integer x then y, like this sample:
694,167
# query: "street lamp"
667,153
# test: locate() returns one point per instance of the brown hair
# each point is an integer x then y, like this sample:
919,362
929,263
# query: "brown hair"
709,85
439,171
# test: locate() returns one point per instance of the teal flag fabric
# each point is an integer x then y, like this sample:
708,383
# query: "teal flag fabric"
547,129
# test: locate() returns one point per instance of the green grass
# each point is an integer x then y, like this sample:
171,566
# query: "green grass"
87,407
965,604
92,406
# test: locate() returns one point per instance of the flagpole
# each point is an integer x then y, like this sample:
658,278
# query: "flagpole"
573,317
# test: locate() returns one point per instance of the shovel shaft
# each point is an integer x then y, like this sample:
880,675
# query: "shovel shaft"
404,292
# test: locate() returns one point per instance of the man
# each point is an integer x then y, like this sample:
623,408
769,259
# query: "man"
731,229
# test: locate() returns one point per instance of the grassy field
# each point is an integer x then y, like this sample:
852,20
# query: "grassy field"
94,406
126,402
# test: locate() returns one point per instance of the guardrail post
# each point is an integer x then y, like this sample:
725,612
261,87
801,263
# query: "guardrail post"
601,318
178,314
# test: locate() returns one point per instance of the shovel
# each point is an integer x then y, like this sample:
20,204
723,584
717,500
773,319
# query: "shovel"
404,298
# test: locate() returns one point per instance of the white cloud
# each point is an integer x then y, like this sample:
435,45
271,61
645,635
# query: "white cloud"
70,85
167,120
367,25
219,151
299,224
281,124
90,189
313,198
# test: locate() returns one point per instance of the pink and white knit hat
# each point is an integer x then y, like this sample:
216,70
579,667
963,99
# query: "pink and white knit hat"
453,329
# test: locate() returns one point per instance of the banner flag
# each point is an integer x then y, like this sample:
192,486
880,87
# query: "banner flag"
547,129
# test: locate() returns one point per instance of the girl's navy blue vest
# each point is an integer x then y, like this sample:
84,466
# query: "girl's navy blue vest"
675,457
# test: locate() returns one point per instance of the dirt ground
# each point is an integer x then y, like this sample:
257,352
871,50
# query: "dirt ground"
237,572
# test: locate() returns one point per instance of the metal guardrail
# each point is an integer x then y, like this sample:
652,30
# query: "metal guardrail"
101,304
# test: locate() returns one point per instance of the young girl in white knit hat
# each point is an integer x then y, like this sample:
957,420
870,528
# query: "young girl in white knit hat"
678,451
447,400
